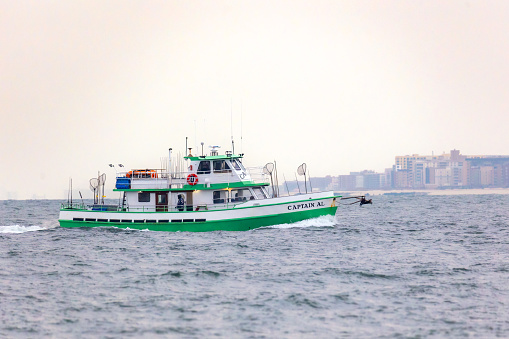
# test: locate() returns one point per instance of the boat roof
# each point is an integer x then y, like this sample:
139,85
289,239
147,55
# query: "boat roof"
215,157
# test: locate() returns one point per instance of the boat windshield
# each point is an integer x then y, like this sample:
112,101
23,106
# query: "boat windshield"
221,166
204,167
237,165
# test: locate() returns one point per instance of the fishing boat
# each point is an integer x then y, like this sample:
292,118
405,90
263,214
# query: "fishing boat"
202,193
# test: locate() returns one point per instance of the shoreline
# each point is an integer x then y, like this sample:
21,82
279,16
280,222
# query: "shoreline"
469,191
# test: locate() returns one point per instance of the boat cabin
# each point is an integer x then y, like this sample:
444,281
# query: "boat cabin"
208,182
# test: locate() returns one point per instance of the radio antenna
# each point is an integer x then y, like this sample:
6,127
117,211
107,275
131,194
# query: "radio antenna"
241,148
231,123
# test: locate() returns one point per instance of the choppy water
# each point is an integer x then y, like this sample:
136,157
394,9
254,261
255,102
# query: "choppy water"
428,266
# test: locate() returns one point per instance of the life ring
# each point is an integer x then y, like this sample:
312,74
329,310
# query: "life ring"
192,179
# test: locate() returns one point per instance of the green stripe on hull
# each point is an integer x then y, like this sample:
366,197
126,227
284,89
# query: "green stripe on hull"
243,224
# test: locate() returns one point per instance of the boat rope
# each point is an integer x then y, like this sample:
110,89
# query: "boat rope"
360,199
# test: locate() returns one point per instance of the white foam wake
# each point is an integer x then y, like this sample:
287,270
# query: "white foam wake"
323,221
20,229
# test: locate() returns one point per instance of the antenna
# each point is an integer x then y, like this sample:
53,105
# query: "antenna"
69,194
195,139
231,124
241,148
170,171
231,118
214,150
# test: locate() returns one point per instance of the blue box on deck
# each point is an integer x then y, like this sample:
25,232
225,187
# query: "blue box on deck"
123,183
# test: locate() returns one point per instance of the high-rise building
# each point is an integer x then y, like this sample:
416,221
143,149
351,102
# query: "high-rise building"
432,171
448,170
451,170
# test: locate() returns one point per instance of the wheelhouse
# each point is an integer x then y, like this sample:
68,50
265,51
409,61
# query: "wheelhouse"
210,182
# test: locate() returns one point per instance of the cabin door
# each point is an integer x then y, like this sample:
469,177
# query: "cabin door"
189,201
161,201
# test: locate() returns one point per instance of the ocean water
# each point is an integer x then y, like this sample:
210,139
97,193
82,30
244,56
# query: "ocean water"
404,267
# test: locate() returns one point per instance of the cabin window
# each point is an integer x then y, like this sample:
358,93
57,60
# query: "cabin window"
162,199
144,197
237,164
260,194
241,195
221,166
204,167
218,197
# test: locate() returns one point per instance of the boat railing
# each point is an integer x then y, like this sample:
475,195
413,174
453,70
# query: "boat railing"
257,175
144,174
230,203
184,208
73,206
144,178
91,207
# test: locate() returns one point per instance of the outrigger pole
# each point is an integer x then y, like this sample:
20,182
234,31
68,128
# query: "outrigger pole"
309,179
286,184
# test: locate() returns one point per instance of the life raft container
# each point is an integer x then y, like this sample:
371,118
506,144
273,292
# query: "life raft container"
142,174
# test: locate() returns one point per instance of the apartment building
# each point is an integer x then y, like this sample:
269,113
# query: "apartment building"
447,170
451,170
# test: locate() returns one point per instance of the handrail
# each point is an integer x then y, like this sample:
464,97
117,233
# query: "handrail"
257,175
152,208
73,206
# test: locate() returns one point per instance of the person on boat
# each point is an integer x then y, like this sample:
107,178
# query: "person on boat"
180,202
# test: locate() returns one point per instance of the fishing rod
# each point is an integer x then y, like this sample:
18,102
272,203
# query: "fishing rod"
286,184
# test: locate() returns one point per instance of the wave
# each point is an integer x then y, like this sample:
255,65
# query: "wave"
323,221
20,229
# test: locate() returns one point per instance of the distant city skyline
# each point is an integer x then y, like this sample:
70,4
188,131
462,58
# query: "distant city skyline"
435,171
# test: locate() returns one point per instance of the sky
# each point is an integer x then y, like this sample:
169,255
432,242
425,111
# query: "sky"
340,85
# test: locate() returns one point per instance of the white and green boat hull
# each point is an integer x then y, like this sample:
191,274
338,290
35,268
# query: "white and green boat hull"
241,217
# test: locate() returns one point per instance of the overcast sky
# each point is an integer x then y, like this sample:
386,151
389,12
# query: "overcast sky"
341,85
